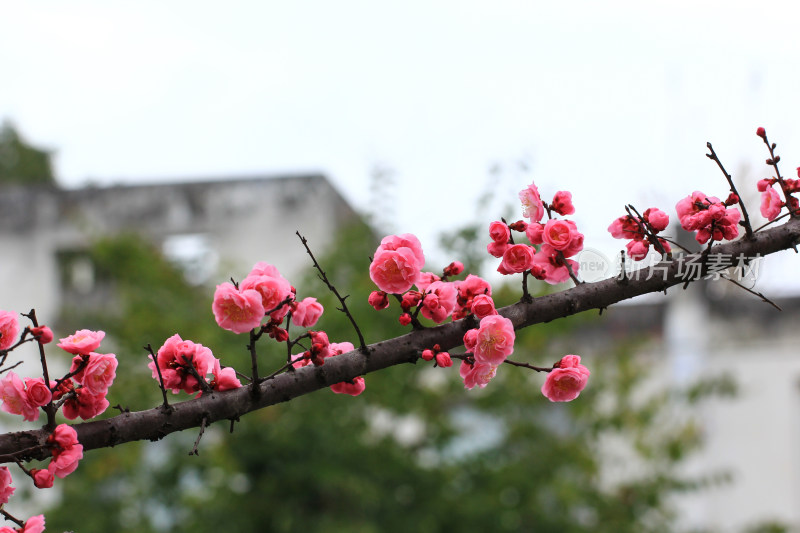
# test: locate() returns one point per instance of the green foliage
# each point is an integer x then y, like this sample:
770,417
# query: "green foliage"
415,452
21,163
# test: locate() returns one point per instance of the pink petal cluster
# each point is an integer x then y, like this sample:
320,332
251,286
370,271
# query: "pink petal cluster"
42,478
224,378
42,334
66,449
273,288
770,204
6,490
517,258
34,524
95,372
83,341
467,290
237,310
23,398
175,358
306,313
479,374
9,329
567,379
562,203
493,341
332,349
439,301
500,234
549,266
628,227
709,217
84,404
532,206
397,263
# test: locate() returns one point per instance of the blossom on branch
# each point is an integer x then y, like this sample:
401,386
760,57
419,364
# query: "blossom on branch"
567,379
9,329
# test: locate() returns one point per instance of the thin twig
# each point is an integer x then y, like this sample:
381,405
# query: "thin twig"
199,436
751,291
746,222
344,309
527,365
149,348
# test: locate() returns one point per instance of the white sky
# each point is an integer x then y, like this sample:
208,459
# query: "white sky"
611,100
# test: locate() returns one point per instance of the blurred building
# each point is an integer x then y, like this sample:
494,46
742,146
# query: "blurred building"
751,449
214,229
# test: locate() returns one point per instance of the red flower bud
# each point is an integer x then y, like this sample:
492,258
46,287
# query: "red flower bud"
405,319
761,132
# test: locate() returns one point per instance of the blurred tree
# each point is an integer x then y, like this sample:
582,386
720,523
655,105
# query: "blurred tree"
415,452
21,163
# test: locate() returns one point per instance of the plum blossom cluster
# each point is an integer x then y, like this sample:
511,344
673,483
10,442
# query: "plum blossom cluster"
552,243
321,350
182,365
771,203
566,380
642,231
711,219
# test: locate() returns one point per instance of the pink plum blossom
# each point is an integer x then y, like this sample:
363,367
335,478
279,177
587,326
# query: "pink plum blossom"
532,206
42,478
535,233
499,232
15,398
440,301
637,250
562,203
173,360
6,490
84,404
444,360
67,451
482,306
497,249
405,240
770,204
9,329
34,524
468,289
273,291
37,391
657,218
307,312
495,340
394,271
354,388
83,341
224,378
517,258
237,310
98,372
560,234
479,374
552,269
708,217
378,300
567,379
42,334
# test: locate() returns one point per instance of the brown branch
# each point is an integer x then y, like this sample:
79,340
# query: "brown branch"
746,219
155,424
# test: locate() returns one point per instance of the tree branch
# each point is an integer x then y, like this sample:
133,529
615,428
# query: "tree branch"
156,423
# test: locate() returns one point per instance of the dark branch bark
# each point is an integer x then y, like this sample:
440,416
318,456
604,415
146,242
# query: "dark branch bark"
158,422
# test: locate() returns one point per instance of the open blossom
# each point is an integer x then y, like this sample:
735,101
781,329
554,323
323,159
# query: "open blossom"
273,289
15,398
95,371
532,206
440,301
495,340
83,341
770,204
468,289
405,240
517,258
237,310
9,329
353,388
84,404
567,379
37,392
173,359
6,490
479,374
224,378
551,267
563,235
307,312
394,271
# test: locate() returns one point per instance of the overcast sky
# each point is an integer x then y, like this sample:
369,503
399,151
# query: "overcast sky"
611,100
